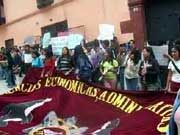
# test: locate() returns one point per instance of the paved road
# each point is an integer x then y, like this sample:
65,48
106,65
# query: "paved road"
4,88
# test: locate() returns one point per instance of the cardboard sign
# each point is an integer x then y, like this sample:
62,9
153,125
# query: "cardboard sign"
106,32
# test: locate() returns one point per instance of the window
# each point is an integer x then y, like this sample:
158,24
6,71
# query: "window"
54,29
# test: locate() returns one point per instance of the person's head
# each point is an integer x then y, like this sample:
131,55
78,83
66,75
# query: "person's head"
132,43
2,48
96,45
148,53
175,52
135,55
43,52
108,54
48,54
106,44
122,48
27,48
35,54
65,51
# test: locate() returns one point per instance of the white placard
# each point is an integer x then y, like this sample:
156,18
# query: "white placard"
46,39
106,32
159,52
28,58
74,40
58,43
70,41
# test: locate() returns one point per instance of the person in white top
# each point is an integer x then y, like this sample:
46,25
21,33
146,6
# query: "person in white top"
132,69
173,80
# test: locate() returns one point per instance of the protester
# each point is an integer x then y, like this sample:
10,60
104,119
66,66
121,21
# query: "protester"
49,65
132,69
173,79
10,77
97,57
149,71
108,68
42,54
121,60
17,61
27,57
64,62
174,123
84,67
22,67
37,62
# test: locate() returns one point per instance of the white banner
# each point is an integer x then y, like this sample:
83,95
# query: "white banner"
70,41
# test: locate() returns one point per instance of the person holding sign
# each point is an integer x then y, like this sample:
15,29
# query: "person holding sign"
173,80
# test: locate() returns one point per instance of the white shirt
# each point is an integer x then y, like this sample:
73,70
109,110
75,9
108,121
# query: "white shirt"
131,70
175,74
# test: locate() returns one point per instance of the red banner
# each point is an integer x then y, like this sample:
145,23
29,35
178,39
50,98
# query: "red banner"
65,106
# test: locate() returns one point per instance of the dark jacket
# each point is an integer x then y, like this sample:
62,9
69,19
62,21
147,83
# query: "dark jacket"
9,60
152,74
85,68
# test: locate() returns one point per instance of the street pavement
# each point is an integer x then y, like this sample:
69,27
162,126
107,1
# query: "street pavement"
3,85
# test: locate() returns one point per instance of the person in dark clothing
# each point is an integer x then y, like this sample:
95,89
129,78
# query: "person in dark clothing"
17,61
9,72
83,65
149,71
78,50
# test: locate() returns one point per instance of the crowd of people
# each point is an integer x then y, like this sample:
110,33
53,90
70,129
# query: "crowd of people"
107,63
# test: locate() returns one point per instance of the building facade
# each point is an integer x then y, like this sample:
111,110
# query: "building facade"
24,19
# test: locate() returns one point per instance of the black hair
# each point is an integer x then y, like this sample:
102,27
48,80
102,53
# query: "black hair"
110,54
36,53
106,43
150,51
177,47
137,55
48,53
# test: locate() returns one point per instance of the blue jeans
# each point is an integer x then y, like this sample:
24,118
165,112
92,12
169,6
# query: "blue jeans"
121,78
132,84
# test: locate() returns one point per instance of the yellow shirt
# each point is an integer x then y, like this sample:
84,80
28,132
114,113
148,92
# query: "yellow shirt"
107,67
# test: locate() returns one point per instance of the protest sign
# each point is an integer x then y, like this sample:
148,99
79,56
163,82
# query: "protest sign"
58,43
159,52
106,32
